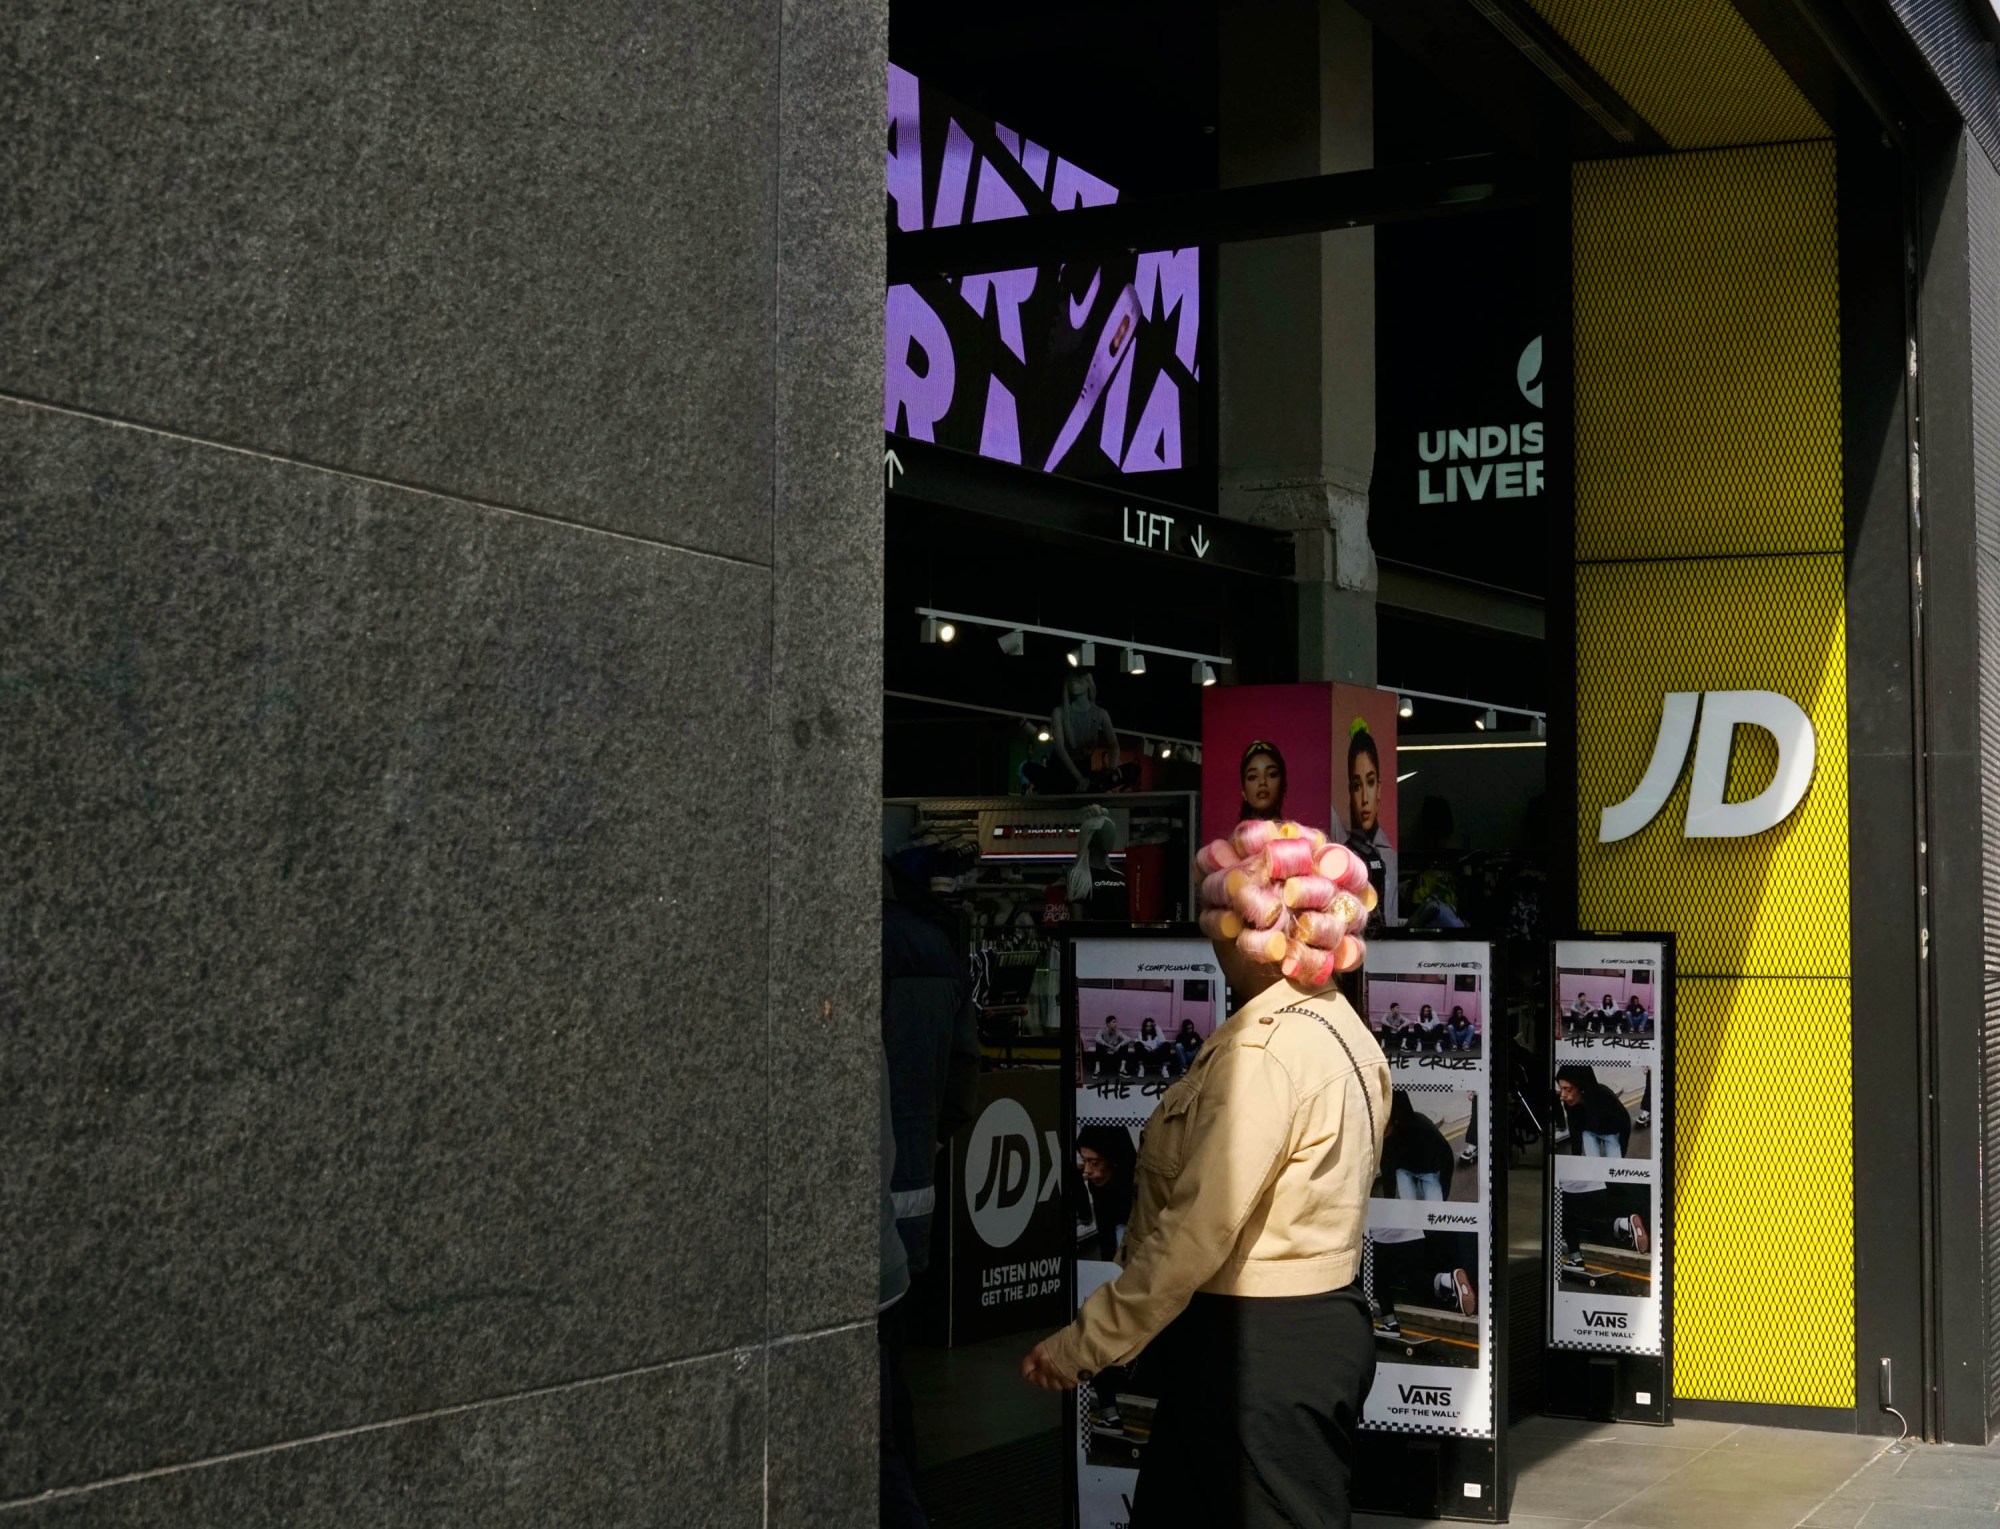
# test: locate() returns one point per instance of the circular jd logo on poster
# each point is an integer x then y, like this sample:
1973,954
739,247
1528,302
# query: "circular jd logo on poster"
1000,1173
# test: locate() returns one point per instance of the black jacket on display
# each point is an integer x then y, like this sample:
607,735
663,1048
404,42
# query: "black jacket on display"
931,1037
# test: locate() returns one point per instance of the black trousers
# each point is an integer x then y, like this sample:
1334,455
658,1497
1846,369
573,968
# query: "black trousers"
1260,1410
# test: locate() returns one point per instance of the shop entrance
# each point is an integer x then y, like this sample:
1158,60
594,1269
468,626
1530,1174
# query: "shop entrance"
1228,372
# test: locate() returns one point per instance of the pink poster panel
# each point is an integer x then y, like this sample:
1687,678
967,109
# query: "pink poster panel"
1267,751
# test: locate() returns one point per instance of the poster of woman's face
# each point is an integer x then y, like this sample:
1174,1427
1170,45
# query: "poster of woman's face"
1320,754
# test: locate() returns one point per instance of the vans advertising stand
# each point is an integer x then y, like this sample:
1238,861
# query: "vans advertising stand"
1608,1185
1434,1423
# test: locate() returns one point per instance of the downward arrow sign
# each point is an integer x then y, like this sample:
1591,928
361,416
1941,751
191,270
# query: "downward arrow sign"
1200,543
891,465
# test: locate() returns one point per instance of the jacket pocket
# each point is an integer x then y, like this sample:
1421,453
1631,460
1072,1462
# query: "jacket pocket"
1163,1148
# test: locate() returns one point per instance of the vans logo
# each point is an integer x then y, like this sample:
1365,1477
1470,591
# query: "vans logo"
1425,1396
1613,1321
1708,815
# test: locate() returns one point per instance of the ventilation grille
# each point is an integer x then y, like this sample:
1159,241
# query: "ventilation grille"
1708,536
1692,68
1983,248
1708,354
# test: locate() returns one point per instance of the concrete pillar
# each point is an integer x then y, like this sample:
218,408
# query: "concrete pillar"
1296,330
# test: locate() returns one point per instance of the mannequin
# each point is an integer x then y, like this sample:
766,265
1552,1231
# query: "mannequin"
1096,891
1080,731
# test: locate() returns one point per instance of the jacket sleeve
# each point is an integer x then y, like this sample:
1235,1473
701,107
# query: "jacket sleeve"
1238,1138
961,1075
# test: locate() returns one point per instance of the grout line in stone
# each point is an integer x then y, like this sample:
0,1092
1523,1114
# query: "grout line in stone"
456,1409
1845,1482
1693,1455
374,480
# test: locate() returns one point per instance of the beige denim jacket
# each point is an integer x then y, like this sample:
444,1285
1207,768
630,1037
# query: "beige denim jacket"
1253,1175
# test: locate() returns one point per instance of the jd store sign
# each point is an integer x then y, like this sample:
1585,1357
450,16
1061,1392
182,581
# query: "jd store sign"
1008,1231
1709,816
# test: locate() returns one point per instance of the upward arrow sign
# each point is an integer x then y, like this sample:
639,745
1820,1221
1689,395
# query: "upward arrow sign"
1200,543
891,465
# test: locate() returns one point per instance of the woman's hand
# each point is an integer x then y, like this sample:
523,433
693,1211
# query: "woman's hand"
1038,1370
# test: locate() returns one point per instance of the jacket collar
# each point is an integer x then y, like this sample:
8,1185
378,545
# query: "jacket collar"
1282,994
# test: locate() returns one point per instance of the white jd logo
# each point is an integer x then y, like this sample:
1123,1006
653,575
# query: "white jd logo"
1708,815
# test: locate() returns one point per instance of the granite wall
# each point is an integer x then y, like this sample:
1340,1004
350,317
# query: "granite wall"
440,558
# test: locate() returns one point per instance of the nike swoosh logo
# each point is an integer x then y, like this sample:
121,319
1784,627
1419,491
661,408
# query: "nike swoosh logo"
1079,311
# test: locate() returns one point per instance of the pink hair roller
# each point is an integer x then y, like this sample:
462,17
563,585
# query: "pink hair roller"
1349,910
1308,967
1341,866
1310,892
1215,890
1289,858
1261,907
1251,835
1217,855
1370,898
1348,954
1221,923
1323,931
1264,946
1254,872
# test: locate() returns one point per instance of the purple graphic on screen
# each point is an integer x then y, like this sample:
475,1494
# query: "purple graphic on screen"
1089,368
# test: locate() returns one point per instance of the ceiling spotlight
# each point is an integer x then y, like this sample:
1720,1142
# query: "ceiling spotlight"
1132,661
1082,656
1405,707
1541,727
1042,735
1166,751
1201,673
1487,721
1149,748
946,631
1013,643
936,630
1194,754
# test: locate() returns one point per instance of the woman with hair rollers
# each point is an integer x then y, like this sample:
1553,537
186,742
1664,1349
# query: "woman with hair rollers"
1240,1264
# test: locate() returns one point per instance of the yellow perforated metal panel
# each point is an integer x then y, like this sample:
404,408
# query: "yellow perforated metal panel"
1692,68
1707,354
1708,540
1764,1231
1772,905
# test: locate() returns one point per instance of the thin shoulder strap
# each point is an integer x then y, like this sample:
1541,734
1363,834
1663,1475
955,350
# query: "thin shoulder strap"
1327,1024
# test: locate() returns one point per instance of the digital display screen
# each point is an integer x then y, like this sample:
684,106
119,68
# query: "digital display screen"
1089,368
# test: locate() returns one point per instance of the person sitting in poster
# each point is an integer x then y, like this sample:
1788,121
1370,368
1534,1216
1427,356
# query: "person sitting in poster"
1263,777
1152,1050
1605,1020
1390,1031
1608,1215
1416,1159
1646,1102
1110,1050
1105,1160
1427,1269
1459,1034
1595,1122
1431,1031
1635,1020
1365,835
1579,1017
1187,1045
